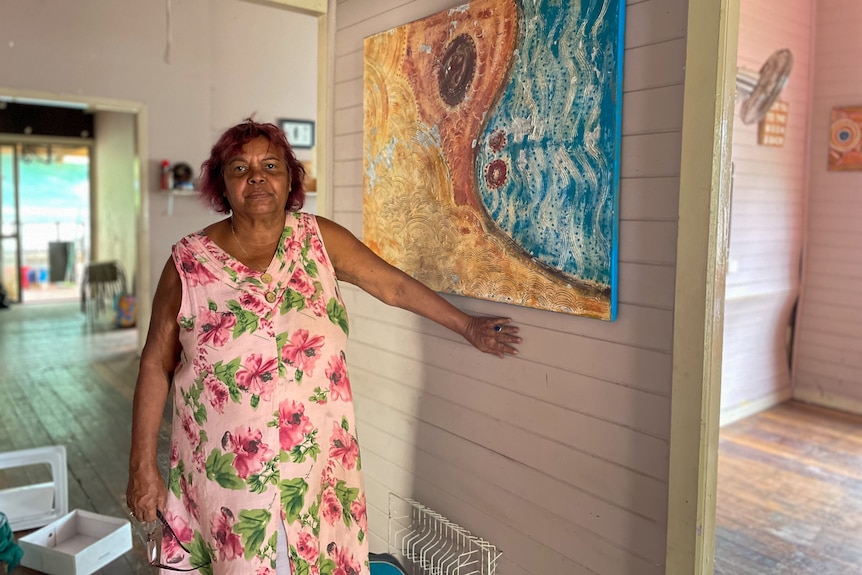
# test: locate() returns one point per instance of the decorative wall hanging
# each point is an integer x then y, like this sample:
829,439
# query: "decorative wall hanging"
299,133
845,139
491,151
772,129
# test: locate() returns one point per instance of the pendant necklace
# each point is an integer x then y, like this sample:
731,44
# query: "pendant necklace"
241,247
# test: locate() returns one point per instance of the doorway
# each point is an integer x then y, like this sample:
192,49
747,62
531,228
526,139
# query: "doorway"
44,218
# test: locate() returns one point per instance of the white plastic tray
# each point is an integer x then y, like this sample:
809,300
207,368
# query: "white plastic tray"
79,543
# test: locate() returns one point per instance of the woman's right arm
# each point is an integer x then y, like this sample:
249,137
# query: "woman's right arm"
146,490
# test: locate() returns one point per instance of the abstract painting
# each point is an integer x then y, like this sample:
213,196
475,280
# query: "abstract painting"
491,151
845,139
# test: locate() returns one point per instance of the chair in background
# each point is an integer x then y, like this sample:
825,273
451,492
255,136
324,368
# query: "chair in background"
102,283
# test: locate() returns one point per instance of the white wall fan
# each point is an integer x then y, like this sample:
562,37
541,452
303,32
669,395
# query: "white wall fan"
762,88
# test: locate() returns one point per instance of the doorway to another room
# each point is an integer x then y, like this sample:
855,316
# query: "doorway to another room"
789,455
44,218
70,205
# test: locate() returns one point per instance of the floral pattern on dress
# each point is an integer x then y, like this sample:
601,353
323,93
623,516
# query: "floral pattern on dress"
263,425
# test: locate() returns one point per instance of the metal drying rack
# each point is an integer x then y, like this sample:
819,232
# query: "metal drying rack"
430,544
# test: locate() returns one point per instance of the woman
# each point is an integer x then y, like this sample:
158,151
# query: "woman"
249,326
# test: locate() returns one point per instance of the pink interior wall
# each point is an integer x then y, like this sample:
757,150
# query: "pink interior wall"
828,362
768,207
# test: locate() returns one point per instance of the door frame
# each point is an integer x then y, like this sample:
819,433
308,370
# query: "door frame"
139,110
701,267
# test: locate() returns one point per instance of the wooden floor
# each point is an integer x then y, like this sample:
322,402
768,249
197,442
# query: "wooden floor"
790,494
66,382
789,487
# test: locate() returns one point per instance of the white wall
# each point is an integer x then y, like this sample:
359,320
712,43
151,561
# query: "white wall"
115,191
559,456
767,210
228,59
828,368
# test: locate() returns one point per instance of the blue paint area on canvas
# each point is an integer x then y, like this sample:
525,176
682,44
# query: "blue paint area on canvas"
547,163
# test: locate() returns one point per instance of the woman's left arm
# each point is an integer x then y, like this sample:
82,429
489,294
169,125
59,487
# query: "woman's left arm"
356,264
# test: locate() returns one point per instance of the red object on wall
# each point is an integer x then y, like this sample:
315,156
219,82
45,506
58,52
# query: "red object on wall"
166,172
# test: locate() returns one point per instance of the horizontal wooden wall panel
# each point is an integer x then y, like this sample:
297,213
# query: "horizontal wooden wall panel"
837,326
767,186
654,199
349,67
846,291
650,112
835,268
348,93
841,294
657,21
836,203
638,369
348,120
477,482
648,242
829,347
655,65
488,467
647,284
834,236
349,199
649,157
847,374
528,417
645,327
347,147
821,350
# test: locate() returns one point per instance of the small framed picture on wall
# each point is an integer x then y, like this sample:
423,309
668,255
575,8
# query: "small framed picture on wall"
300,133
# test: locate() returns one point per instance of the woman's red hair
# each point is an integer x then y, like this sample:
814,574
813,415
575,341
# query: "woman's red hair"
229,144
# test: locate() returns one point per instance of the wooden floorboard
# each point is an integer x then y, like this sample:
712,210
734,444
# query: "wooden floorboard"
66,381
789,498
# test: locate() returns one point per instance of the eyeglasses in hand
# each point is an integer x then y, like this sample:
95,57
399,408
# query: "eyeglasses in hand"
152,533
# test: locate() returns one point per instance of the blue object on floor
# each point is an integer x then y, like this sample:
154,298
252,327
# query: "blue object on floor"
385,564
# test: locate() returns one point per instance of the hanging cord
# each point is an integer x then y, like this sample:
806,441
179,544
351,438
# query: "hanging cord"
170,32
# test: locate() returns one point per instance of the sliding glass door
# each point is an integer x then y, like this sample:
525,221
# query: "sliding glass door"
44,219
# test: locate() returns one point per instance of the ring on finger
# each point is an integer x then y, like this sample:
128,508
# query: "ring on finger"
498,328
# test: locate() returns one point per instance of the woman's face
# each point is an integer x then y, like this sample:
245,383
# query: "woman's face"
257,180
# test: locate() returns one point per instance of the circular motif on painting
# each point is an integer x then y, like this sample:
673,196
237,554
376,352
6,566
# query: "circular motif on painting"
495,174
497,140
457,68
845,135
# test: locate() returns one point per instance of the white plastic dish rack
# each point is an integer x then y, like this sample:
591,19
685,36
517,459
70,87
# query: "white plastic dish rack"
428,543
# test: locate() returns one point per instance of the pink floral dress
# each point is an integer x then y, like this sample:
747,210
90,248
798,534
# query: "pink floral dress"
263,425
